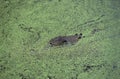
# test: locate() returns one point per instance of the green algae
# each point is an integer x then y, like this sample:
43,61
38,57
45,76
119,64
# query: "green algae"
27,26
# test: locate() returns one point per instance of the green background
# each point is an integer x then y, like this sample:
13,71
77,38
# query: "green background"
26,26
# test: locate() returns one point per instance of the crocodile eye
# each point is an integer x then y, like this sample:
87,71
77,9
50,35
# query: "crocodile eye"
80,33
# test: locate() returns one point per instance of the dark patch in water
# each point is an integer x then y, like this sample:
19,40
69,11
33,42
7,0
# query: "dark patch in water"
95,30
75,77
2,68
59,0
87,68
28,29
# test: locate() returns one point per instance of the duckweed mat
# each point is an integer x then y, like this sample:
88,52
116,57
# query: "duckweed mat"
26,26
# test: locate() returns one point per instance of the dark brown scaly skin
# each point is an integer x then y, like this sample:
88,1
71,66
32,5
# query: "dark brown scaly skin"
61,40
